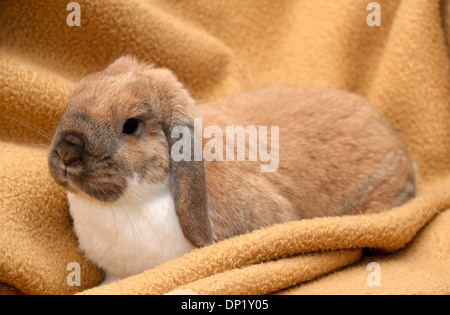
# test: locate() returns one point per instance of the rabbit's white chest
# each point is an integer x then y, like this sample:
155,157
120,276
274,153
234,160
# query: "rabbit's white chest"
131,235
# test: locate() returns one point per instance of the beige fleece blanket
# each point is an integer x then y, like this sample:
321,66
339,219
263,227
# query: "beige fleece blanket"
217,48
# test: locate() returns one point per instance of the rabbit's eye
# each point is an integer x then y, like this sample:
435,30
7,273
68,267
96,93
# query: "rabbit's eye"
130,126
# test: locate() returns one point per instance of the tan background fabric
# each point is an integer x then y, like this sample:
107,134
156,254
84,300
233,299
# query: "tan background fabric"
218,48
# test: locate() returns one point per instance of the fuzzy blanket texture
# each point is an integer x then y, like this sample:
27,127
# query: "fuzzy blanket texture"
219,48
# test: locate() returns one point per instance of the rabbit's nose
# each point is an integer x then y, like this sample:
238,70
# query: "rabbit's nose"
70,150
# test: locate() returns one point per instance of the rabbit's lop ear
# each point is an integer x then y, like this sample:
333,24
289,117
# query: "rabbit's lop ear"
188,184
187,176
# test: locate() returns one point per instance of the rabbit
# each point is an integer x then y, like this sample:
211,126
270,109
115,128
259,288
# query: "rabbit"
134,206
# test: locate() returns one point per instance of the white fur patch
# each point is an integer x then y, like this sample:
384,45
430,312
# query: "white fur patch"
138,232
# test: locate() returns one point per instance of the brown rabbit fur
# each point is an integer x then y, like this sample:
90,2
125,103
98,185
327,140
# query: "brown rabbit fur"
337,156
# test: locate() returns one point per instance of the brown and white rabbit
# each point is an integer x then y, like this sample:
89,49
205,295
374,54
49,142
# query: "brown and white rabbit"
135,207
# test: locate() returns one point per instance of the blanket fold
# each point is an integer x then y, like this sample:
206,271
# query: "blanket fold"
219,268
217,48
